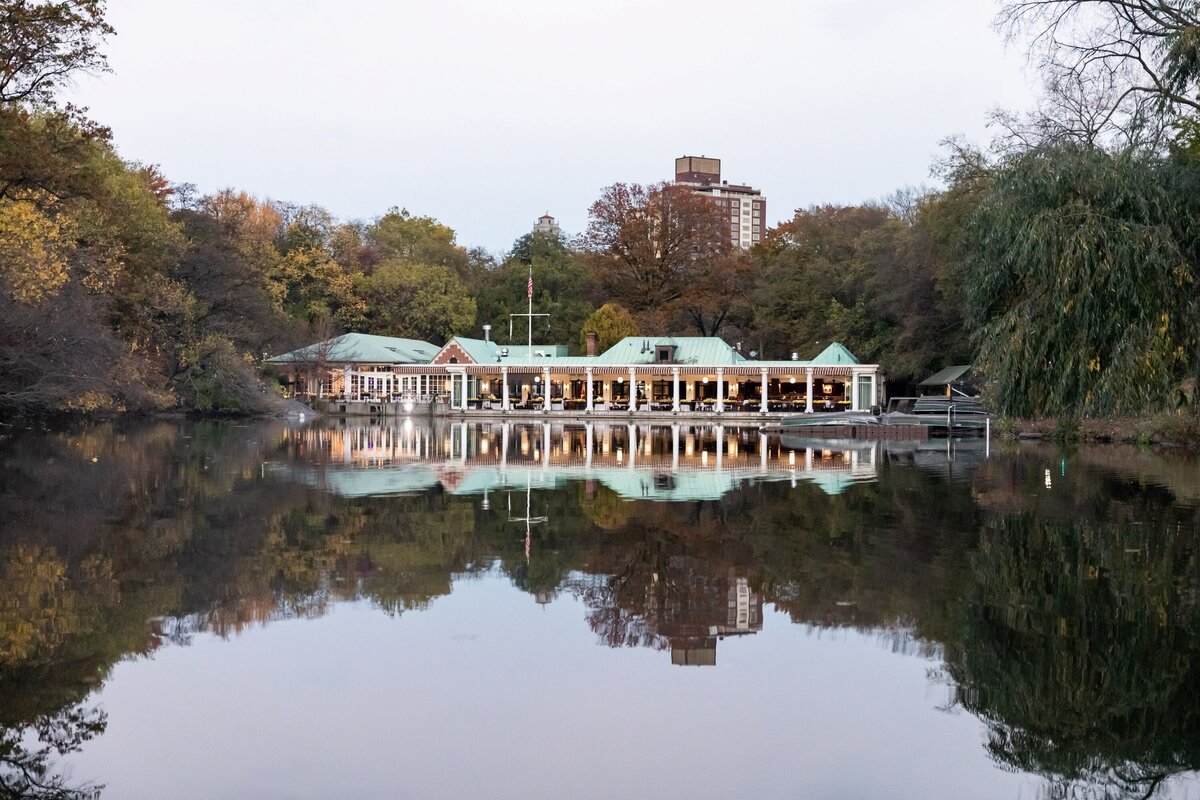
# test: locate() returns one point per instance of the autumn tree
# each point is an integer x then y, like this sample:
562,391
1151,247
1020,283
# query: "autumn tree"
399,234
652,248
228,265
307,278
43,43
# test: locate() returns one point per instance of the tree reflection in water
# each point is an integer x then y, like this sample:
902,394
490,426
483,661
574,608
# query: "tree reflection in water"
1080,651
1068,621
29,770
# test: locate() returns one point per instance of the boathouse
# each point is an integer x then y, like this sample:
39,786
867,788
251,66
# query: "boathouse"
639,374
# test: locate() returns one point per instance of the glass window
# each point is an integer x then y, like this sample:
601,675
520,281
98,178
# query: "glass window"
866,391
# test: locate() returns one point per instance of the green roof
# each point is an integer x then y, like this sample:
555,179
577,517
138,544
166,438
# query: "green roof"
835,353
708,350
484,351
946,376
362,348
686,485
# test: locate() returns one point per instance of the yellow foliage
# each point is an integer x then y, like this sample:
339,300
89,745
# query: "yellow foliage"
88,401
35,250
36,609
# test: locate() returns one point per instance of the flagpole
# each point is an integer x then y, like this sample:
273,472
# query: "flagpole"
529,354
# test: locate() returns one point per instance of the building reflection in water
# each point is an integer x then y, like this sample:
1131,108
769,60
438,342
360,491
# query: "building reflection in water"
675,605
693,632
639,462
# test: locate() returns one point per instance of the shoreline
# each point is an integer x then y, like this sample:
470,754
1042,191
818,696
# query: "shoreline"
1162,430
1169,431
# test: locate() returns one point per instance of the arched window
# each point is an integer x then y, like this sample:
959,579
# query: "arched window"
453,359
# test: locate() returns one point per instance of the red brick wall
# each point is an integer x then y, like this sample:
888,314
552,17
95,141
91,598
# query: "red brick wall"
452,350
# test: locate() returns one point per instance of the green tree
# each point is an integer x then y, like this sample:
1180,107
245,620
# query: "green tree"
562,287
612,323
817,282
417,300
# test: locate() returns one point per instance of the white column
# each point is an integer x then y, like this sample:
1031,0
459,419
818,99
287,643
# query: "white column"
808,397
675,443
503,447
633,443
589,442
545,445
720,392
762,451
346,382
632,390
546,389
462,435
589,403
764,395
504,392
720,441
675,401
853,391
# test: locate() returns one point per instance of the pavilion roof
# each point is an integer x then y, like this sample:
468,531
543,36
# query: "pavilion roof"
485,351
707,350
362,348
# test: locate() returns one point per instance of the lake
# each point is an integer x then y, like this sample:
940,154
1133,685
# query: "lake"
450,610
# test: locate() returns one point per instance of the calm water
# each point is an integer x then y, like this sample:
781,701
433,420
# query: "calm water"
528,611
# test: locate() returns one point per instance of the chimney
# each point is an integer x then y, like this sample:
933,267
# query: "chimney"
593,343
487,333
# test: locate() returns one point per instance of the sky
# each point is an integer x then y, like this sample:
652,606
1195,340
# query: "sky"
488,113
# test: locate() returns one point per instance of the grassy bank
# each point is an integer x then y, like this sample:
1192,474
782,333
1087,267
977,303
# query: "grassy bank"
1170,430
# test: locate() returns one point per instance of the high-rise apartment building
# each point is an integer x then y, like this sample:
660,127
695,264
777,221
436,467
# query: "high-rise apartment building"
744,206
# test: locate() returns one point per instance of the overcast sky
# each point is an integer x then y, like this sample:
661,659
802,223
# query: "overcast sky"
487,113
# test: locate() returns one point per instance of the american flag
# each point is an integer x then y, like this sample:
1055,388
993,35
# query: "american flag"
530,285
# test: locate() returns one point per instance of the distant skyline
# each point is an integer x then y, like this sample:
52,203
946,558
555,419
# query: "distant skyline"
487,114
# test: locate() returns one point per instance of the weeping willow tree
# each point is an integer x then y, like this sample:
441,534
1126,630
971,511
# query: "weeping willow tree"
1080,281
